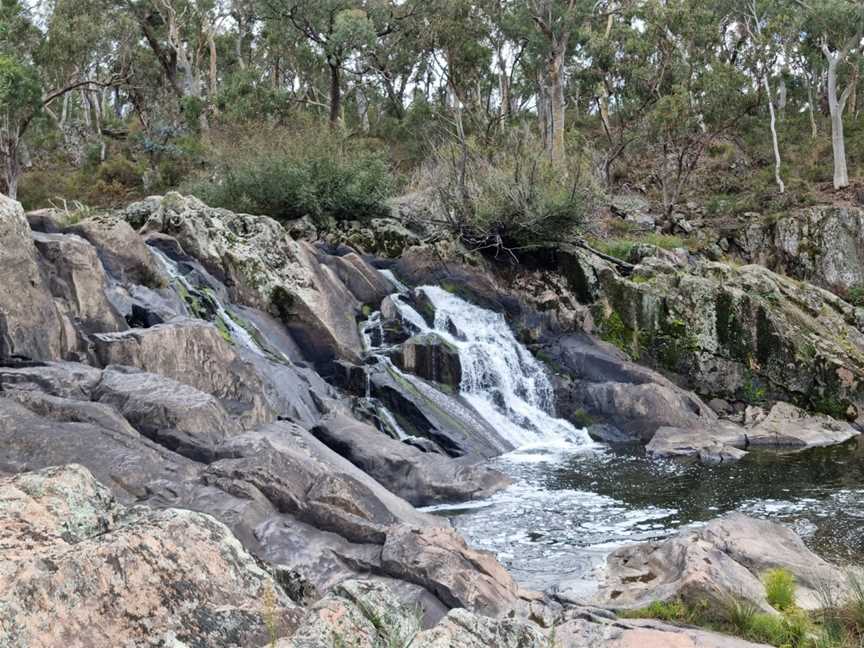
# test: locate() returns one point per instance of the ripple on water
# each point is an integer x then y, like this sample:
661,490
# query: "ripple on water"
569,508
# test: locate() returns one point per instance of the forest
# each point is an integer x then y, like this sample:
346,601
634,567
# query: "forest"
523,118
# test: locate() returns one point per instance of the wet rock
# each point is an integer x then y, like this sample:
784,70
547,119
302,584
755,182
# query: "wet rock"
30,326
175,415
192,352
75,563
424,411
364,282
431,357
123,253
419,477
726,559
77,280
722,442
440,560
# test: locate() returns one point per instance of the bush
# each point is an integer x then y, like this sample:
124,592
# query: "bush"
294,174
509,195
780,588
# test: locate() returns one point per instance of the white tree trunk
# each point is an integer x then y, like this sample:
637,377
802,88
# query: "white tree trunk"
777,162
838,143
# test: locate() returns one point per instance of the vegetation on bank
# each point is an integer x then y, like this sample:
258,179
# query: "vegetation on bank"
839,624
521,118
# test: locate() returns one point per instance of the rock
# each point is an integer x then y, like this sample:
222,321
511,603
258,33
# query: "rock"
362,280
383,237
419,477
123,252
789,426
462,629
64,410
741,334
634,209
75,563
421,410
722,442
596,383
192,352
30,325
587,629
64,379
77,280
175,415
823,244
786,426
431,357
120,458
439,560
724,560
264,268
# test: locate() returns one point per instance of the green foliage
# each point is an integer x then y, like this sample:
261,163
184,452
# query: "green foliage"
20,91
780,588
289,175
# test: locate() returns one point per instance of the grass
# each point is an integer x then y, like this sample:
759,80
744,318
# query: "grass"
620,248
840,624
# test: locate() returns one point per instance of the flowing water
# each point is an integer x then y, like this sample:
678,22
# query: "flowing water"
574,501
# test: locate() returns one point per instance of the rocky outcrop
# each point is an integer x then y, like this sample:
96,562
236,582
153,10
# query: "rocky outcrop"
823,244
263,267
30,326
419,477
195,353
740,333
784,426
74,563
723,561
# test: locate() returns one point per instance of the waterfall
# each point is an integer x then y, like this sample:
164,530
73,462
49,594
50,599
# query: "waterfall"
501,379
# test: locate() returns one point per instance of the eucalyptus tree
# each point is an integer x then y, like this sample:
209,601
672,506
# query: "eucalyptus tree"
837,28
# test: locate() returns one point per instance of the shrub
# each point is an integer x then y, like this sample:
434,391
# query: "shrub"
509,195
295,174
780,588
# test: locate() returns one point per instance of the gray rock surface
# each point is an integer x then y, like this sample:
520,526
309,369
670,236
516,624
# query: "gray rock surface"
30,325
420,478
431,357
725,559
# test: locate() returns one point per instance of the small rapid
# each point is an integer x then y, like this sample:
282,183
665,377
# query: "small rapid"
501,379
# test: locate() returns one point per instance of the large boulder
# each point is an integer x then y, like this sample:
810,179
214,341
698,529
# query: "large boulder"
431,357
30,325
421,478
722,561
823,244
263,267
192,352
75,564
124,254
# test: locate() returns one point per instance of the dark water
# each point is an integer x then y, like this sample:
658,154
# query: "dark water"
567,511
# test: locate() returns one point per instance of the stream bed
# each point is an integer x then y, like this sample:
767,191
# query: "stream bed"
567,510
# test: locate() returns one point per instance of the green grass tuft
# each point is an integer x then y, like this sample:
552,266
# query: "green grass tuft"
780,588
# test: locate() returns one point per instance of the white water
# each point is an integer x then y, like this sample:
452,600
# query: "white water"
502,381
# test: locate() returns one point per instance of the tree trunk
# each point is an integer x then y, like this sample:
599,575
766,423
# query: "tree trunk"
12,170
776,145
335,93
835,108
811,108
557,106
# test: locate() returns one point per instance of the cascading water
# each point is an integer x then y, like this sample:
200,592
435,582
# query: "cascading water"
501,380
